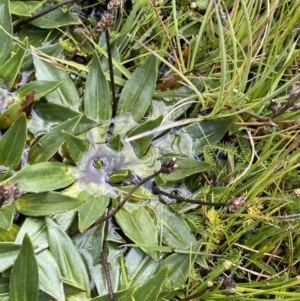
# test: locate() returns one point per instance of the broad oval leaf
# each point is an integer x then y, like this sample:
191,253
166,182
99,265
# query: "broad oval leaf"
24,278
67,257
97,96
46,203
139,226
13,142
136,95
42,177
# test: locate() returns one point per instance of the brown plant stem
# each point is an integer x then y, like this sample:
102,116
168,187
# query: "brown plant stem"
107,276
185,200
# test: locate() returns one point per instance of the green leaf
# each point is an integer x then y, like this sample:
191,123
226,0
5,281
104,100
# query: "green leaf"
207,132
15,109
41,88
42,177
10,235
53,19
91,241
5,31
186,167
13,142
19,8
91,210
115,143
139,266
10,69
139,226
49,275
36,229
140,146
24,278
8,254
97,96
140,193
136,95
48,145
179,266
124,295
66,94
99,276
76,146
68,258
151,289
176,233
46,203
6,217
57,113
